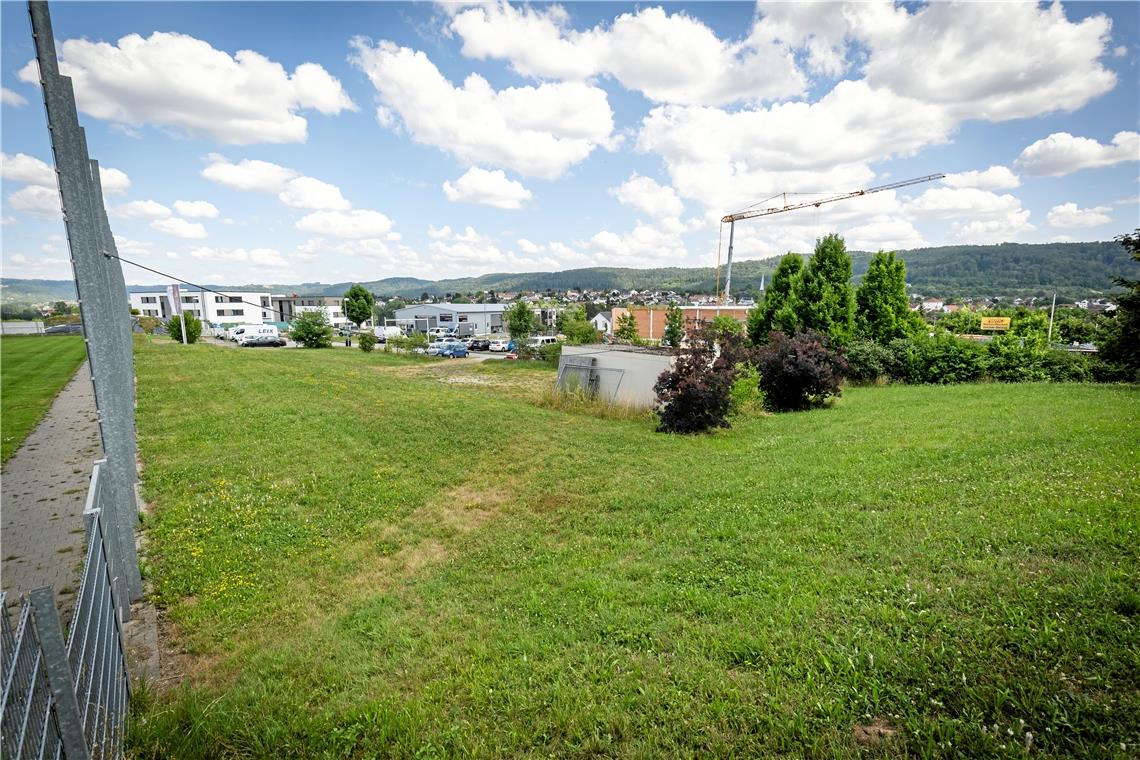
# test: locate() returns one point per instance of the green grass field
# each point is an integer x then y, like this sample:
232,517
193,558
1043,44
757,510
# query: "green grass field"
33,369
365,556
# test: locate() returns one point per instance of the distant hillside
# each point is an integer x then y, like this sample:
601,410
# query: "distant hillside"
1073,270
36,291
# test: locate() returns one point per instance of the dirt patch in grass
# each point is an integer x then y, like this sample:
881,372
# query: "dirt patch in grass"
874,733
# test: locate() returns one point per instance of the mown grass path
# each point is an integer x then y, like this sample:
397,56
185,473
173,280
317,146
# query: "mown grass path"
374,557
33,369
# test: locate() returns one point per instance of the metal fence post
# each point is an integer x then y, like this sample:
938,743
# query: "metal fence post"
50,635
102,299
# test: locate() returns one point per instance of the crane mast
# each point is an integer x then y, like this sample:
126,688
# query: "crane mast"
732,219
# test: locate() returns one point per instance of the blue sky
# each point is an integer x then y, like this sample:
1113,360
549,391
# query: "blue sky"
291,142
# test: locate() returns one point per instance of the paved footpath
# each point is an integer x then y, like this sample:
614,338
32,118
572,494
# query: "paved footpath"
43,488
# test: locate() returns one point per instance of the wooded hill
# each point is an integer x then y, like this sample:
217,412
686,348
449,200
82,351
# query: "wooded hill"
1073,270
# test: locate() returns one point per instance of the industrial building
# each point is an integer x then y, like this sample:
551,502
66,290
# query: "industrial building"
467,318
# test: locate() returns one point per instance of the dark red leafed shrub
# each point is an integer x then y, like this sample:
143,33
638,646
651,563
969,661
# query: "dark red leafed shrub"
694,396
800,371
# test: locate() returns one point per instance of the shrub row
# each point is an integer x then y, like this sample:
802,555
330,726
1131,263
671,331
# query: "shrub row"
946,359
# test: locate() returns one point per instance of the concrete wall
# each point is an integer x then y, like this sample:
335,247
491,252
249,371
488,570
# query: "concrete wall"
624,375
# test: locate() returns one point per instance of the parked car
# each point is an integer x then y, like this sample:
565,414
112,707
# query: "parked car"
538,341
479,344
67,329
261,335
454,350
439,344
498,345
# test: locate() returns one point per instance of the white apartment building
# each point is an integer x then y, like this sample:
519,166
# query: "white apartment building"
236,307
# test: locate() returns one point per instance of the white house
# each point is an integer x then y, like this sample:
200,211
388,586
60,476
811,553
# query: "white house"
227,307
603,322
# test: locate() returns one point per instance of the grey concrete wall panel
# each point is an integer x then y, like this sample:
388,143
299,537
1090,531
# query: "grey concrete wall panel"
102,297
619,375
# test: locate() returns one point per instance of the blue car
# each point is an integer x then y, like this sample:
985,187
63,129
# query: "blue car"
454,351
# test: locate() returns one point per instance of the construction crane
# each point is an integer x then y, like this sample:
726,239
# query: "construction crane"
732,219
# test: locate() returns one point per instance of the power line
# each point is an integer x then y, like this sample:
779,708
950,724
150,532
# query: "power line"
202,288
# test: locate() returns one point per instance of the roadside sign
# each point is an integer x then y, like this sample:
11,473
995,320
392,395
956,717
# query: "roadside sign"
995,323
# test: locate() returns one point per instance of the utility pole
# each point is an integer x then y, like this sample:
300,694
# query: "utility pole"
1052,309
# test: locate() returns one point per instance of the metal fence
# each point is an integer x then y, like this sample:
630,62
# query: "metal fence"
68,699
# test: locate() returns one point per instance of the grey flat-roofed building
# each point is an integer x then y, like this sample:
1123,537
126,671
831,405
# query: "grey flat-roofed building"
467,318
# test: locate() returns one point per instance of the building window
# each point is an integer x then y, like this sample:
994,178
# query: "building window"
149,299
189,299
235,299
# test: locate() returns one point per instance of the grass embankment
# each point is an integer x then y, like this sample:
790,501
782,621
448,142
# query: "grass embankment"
33,369
368,556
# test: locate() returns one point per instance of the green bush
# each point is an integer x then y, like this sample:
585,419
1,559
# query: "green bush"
867,361
312,329
1013,359
952,360
907,363
366,341
1066,367
193,328
745,396
800,371
549,353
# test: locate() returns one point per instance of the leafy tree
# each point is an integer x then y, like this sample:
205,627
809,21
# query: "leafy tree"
696,394
961,322
382,312
883,309
724,325
674,326
193,327
779,309
358,304
825,301
1121,343
799,371
311,329
626,328
520,321
573,324
61,308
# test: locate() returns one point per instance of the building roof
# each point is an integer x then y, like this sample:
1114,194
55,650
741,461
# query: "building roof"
469,308
608,314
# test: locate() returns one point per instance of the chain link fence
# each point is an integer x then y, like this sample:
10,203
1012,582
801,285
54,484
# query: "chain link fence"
68,698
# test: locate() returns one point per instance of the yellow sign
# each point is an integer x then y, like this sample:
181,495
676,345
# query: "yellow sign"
995,323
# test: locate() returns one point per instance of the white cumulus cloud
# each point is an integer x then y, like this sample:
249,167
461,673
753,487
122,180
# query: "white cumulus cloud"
142,210
1069,215
1061,153
535,131
488,188
668,57
36,200
179,228
993,178
12,98
645,195
310,193
196,209
248,174
180,83
28,169
355,224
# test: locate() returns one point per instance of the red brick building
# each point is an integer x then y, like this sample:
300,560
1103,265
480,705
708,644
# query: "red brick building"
651,319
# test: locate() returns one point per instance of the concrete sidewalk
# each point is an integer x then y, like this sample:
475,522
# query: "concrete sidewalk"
42,493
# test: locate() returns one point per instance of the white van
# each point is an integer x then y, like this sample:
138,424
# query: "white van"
260,335
541,340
